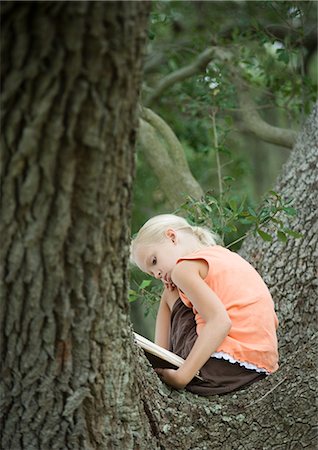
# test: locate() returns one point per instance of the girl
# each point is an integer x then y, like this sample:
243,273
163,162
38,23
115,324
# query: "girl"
215,310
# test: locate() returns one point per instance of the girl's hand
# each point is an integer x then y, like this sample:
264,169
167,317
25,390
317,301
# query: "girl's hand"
172,377
169,285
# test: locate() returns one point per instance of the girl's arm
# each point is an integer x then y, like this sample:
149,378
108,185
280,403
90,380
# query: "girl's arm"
162,333
186,275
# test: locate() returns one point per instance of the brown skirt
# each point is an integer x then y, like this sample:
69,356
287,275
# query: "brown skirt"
219,376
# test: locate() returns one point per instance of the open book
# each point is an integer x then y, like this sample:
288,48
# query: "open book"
159,356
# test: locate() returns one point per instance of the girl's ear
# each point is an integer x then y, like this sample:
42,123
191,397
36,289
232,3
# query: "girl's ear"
171,234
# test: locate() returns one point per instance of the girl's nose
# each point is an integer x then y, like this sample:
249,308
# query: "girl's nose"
158,274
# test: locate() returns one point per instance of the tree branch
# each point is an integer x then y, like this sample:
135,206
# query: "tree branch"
165,155
197,66
258,126
249,113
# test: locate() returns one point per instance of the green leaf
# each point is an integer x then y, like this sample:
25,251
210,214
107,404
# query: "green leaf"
233,204
251,211
242,206
211,200
293,233
144,284
290,211
132,296
274,194
281,236
248,221
265,236
283,55
279,222
229,229
232,227
264,215
251,219
228,179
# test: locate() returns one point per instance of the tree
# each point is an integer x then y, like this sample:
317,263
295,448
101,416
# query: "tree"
71,75
71,375
248,61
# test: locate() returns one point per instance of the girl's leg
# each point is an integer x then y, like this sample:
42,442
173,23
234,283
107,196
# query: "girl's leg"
220,376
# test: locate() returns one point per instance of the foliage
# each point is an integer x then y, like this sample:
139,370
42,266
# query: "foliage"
269,43
270,60
228,216
148,292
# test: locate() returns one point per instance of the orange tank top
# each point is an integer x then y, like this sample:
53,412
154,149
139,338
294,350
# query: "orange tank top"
248,302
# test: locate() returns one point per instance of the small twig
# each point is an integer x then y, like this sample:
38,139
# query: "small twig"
267,393
237,240
216,146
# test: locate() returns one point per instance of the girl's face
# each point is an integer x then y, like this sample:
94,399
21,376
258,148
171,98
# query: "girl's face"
159,259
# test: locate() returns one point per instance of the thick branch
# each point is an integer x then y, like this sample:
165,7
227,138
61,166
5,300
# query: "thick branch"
261,416
254,122
164,154
174,147
249,114
197,66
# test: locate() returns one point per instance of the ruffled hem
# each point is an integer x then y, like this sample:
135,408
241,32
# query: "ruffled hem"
227,357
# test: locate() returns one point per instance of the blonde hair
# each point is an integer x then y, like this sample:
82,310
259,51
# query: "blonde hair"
154,231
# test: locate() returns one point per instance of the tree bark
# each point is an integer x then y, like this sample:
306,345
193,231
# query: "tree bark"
71,76
290,270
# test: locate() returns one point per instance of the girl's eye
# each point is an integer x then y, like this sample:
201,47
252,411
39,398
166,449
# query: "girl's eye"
154,260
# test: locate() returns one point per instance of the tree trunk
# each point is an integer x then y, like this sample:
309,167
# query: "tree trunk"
290,270
71,74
